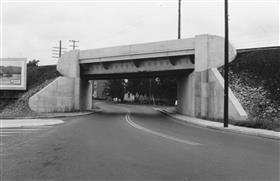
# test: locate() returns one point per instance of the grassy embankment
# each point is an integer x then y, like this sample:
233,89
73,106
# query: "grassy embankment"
254,78
14,103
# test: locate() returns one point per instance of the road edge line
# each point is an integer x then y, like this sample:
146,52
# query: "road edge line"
257,134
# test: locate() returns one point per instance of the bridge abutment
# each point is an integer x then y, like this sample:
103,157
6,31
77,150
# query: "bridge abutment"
201,94
66,93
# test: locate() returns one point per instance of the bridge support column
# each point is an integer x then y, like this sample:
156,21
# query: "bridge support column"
66,93
85,95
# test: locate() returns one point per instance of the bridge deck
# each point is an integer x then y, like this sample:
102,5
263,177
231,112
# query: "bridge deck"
138,51
163,58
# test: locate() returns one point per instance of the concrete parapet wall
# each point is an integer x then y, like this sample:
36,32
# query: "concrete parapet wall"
209,52
62,95
138,51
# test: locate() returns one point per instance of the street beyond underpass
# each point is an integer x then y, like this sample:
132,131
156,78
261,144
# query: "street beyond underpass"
133,142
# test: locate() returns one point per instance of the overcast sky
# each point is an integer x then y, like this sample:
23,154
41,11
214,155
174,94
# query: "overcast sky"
31,28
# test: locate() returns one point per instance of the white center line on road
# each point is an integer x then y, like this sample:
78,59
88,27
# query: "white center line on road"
133,124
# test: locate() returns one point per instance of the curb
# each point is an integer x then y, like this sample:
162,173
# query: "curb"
248,131
54,116
19,123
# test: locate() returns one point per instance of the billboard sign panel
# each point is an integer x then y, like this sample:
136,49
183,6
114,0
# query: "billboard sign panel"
13,74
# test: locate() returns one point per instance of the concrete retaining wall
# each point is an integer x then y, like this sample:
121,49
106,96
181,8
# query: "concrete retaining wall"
62,95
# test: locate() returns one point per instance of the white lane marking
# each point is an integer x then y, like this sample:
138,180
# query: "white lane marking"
18,123
24,129
3,135
14,132
20,130
133,124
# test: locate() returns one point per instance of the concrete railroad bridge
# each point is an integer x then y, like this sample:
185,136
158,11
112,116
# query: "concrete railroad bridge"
194,61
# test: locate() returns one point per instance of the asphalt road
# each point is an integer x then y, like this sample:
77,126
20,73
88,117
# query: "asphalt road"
128,142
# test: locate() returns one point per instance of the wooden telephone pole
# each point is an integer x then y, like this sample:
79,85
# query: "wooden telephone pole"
179,19
226,67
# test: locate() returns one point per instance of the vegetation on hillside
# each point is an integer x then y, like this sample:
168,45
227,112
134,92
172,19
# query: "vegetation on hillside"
15,102
254,78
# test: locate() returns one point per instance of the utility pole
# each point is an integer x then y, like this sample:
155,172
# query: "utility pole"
57,51
179,19
73,45
226,67
150,91
59,48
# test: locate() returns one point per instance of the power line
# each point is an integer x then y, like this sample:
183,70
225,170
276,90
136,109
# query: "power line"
58,51
73,45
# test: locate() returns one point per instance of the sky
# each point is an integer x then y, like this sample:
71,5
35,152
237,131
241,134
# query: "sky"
31,28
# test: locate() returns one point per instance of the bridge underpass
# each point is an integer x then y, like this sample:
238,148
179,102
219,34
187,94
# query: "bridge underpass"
194,61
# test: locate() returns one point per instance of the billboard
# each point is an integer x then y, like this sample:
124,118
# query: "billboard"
13,74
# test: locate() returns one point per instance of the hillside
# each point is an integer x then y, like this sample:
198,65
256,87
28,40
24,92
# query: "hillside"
254,77
15,102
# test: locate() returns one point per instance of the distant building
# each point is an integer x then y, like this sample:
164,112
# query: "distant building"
129,97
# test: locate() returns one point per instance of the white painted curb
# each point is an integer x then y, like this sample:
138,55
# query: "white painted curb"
13,123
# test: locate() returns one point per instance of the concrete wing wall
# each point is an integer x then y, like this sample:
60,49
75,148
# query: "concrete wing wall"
61,95
216,104
201,94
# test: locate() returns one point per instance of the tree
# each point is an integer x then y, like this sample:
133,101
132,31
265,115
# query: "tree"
32,72
166,88
140,86
33,63
115,88
162,89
